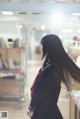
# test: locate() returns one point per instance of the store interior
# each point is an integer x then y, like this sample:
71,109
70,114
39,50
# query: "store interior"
22,25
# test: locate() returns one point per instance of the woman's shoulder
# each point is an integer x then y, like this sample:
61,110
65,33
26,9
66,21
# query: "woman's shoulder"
48,68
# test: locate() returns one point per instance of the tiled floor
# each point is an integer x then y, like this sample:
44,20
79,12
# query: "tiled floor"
14,113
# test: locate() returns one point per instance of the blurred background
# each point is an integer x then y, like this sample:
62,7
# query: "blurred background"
22,25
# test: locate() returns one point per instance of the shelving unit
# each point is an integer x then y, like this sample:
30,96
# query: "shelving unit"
75,104
13,78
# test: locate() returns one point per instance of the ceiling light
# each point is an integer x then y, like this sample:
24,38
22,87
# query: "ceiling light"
67,31
20,26
7,13
57,18
43,27
76,14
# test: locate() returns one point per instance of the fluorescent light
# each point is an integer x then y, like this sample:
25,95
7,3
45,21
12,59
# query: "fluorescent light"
20,26
43,27
57,18
76,14
67,31
7,13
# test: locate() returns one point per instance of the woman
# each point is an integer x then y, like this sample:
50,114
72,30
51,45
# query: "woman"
57,68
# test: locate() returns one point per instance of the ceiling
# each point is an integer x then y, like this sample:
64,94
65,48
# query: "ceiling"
45,1
38,12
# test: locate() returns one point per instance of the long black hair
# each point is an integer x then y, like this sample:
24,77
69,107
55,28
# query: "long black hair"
55,53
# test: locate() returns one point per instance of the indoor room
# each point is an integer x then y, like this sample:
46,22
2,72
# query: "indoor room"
23,23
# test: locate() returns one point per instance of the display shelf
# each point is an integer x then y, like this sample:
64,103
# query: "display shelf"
12,75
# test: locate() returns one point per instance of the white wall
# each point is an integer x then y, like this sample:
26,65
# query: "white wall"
9,30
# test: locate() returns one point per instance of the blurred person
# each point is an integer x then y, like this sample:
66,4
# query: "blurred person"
57,68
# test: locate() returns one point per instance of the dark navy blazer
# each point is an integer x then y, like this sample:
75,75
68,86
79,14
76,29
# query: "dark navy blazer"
45,95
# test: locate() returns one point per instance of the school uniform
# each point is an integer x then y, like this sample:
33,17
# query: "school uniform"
45,95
